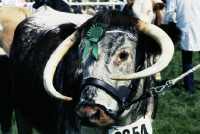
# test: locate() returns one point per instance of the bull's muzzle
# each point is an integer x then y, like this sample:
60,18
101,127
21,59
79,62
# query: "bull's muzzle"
93,116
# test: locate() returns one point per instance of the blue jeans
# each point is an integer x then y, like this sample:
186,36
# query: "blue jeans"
187,65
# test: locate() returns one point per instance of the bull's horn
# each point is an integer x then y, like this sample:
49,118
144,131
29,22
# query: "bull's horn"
167,51
52,63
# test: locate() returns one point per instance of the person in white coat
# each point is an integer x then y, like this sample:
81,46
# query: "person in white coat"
186,15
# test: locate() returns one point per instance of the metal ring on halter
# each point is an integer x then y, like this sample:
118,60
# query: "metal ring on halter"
169,83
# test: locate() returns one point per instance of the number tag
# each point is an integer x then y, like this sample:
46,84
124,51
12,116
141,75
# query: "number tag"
141,126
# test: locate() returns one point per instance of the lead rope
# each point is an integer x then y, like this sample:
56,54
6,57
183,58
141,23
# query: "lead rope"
170,83
153,91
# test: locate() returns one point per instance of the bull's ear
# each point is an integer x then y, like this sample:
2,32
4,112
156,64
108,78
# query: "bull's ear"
173,31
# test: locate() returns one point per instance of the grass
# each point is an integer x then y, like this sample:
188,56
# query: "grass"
178,110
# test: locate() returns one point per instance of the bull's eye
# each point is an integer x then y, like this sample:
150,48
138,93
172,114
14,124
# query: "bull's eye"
122,56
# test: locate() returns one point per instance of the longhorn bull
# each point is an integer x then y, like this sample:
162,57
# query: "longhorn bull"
94,83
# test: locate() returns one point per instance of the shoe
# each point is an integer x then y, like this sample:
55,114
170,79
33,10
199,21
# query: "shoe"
190,91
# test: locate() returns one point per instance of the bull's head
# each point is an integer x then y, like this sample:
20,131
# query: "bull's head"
109,80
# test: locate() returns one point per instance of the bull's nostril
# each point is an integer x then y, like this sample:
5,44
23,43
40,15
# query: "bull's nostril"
85,114
95,116
90,115
87,118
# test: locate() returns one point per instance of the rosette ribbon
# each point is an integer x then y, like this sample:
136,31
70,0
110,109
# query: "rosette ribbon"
94,34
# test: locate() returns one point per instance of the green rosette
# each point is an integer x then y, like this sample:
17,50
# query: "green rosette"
94,34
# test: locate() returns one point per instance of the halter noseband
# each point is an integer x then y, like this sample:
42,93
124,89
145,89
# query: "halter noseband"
127,99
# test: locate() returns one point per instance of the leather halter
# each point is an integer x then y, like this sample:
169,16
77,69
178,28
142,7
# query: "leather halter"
127,99
110,89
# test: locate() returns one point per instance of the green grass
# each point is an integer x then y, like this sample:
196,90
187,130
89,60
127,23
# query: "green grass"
178,110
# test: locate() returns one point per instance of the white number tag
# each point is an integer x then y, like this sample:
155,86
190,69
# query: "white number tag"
142,126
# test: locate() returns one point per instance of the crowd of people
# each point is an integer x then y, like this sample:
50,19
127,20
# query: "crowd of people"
77,9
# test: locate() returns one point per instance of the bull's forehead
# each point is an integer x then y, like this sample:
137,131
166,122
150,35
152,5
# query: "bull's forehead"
116,37
109,48
116,40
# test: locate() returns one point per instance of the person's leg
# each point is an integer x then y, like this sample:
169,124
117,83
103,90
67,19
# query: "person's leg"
187,65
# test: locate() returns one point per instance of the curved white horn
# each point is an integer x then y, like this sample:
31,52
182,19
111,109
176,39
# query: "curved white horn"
52,63
167,51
